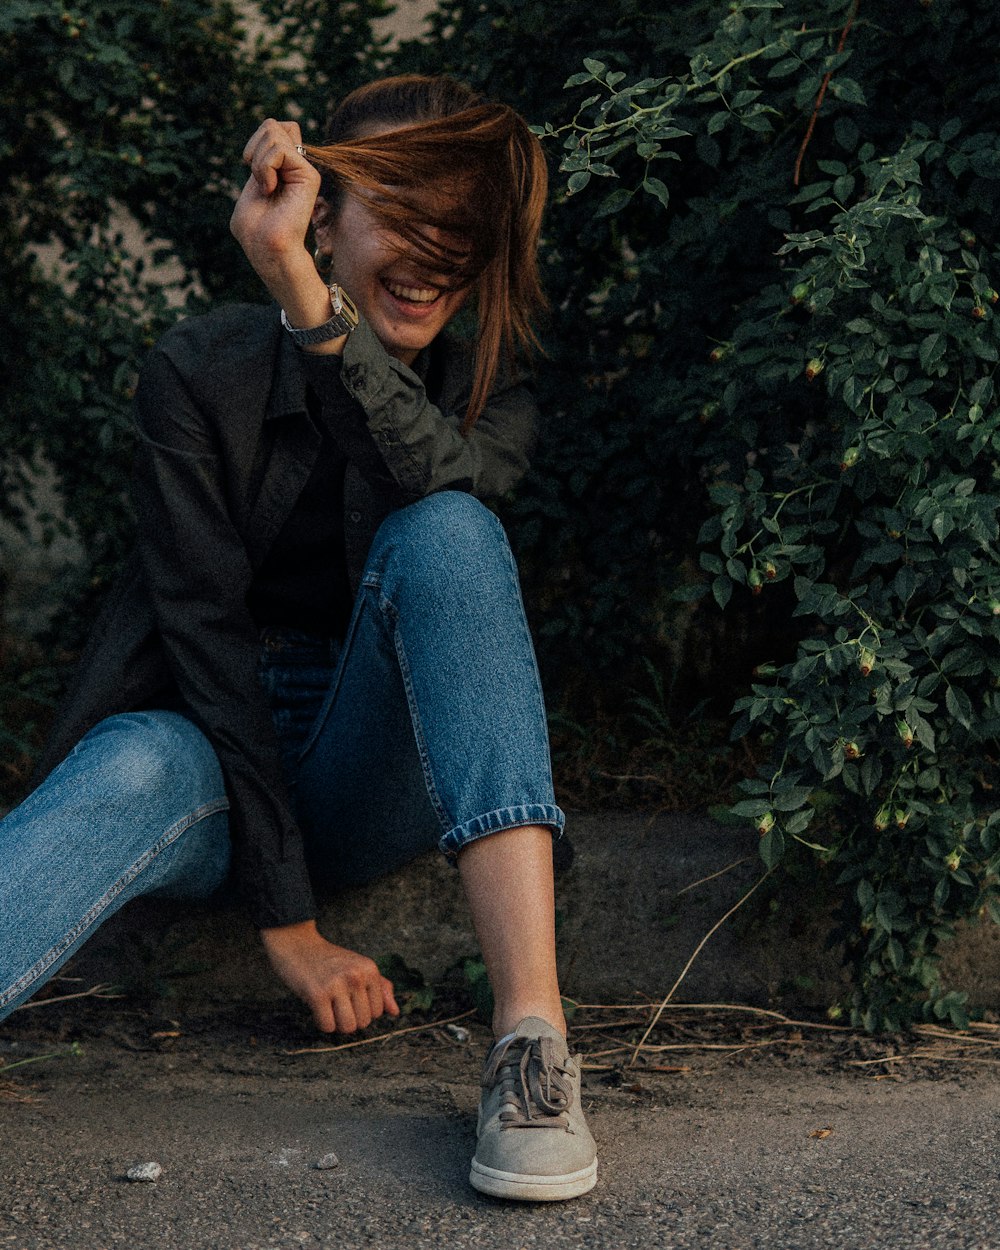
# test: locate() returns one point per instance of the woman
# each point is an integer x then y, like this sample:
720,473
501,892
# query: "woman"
318,656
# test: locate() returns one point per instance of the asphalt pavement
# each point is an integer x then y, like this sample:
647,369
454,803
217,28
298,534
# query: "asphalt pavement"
796,1149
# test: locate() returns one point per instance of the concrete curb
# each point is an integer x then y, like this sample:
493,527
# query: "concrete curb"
630,917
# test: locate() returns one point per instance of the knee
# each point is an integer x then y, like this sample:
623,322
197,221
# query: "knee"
445,535
149,753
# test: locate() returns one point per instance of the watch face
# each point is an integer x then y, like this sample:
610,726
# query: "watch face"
343,305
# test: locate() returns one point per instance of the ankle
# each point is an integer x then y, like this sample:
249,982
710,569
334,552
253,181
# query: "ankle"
506,1020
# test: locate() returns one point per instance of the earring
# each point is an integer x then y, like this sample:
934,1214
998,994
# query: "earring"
323,261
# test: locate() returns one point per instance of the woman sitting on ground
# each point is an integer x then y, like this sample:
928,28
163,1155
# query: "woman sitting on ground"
317,666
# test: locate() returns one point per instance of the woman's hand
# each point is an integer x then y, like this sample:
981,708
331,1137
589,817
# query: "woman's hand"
345,991
272,217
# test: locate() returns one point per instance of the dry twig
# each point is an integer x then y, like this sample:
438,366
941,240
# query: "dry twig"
381,1037
722,871
95,991
697,951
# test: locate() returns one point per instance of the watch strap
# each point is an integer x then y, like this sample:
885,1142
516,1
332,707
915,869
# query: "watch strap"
343,319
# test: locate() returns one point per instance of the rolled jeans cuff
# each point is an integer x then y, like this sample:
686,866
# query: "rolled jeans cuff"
457,838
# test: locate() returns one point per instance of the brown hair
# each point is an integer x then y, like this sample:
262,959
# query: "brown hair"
449,161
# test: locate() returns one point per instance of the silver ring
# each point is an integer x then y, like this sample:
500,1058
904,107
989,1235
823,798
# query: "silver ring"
300,149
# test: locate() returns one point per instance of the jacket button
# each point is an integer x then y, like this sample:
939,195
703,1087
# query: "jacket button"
388,438
357,375
354,517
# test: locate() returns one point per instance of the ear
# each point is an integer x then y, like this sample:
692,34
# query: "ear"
322,221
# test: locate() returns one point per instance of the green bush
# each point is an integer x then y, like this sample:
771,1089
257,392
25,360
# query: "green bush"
784,393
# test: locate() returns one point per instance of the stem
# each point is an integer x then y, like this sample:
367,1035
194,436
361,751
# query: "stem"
697,951
694,93
822,92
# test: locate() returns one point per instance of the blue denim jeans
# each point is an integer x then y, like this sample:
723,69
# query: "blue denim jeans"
424,728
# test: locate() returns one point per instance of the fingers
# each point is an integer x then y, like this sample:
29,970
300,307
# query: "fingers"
389,998
323,1015
354,1000
344,990
273,156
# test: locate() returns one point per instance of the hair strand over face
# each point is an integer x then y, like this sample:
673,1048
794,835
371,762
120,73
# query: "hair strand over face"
462,183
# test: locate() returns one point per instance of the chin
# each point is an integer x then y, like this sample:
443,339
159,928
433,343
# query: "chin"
403,345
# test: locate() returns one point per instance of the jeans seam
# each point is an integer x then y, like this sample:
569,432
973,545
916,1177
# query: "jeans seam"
388,610
87,920
530,648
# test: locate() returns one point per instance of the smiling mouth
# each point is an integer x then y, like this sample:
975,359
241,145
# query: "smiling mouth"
411,294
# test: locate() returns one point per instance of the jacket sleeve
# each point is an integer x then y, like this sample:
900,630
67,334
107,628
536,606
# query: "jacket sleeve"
403,442
197,574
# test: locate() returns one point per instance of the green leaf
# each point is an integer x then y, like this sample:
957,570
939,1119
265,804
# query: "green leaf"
959,705
772,847
791,799
722,589
614,203
657,188
848,90
781,69
932,348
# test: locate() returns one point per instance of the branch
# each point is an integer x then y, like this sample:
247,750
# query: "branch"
822,92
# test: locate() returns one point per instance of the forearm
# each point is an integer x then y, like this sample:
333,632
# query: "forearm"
378,412
270,222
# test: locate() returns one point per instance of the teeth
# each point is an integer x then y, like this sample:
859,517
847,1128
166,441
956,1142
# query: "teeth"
416,294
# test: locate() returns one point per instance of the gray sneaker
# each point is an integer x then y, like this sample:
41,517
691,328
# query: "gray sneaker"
534,1143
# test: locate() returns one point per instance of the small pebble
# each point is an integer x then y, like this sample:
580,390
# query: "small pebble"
144,1172
327,1162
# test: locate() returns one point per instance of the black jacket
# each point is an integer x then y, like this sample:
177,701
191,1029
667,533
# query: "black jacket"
225,445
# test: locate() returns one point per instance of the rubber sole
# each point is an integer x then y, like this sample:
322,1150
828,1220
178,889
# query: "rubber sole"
527,1188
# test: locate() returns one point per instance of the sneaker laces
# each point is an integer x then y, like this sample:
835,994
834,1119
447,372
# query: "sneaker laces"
536,1089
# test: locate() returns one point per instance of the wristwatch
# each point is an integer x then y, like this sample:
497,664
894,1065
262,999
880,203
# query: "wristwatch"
343,320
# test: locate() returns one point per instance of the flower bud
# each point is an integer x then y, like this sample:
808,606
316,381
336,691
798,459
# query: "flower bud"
866,661
881,821
766,823
905,733
852,751
850,458
814,368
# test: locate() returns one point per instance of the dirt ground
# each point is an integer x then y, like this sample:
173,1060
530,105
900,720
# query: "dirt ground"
739,1130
